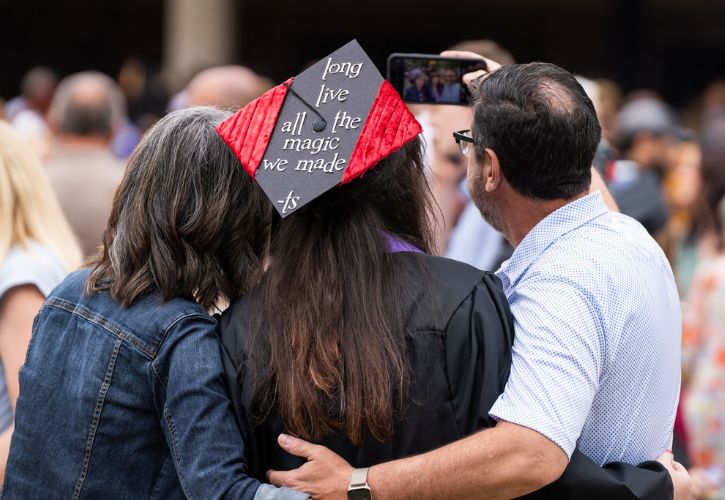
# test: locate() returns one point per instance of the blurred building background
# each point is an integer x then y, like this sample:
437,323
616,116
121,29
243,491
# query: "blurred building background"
674,46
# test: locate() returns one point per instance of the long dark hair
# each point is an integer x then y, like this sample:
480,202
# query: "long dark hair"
327,343
186,221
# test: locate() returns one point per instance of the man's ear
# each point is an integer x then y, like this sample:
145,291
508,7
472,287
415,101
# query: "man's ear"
491,170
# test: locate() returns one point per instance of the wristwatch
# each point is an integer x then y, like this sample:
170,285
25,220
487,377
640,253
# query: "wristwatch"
359,489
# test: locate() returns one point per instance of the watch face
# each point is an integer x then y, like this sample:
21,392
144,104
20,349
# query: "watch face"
362,493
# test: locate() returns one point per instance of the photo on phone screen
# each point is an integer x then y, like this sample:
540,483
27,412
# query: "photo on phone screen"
430,79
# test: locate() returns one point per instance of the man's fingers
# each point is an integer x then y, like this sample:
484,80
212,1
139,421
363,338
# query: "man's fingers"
469,78
296,446
280,477
461,54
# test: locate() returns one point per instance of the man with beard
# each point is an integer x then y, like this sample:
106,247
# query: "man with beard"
594,298
597,318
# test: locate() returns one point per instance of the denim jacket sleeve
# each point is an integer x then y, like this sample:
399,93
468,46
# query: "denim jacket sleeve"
196,414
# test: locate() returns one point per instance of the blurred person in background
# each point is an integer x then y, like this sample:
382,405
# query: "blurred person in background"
146,92
447,170
226,87
132,80
27,112
2,109
682,190
606,99
419,90
436,85
37,249
463,234
36,93
705,228
609,100
703,356
451,88
646,130
714,100
84,173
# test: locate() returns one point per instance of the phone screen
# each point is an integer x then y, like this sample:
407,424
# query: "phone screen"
430,79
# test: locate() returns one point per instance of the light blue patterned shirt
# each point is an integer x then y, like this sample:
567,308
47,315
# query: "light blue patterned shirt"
596,359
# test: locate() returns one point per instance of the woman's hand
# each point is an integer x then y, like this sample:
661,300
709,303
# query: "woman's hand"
680,477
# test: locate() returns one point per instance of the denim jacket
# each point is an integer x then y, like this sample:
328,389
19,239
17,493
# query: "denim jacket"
124,403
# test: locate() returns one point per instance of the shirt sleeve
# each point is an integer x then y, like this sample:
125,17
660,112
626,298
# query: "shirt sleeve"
557,361
25,268
196,414
269,492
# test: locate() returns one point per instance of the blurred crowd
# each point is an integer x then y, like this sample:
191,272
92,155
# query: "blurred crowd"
64,143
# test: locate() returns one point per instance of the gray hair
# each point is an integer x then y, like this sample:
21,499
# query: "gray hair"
88,104
187,220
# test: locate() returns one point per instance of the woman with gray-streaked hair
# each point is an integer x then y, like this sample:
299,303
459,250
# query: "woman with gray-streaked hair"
122,393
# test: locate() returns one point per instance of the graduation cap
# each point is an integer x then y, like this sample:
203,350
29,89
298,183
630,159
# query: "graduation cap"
323,128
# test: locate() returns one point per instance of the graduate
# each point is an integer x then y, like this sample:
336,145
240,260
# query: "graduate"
357,338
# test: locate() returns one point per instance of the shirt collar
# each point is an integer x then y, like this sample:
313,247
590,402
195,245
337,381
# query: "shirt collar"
547,231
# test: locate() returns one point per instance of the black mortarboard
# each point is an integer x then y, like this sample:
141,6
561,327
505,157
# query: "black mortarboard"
327,126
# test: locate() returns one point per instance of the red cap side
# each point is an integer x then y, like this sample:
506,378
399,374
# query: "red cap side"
248,131
389,126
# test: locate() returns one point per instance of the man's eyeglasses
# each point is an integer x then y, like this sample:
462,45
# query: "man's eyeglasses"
465,141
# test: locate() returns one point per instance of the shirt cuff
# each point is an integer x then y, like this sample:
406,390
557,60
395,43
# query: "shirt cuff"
269,492
547,427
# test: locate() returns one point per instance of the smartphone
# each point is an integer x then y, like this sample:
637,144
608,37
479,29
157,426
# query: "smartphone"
431,79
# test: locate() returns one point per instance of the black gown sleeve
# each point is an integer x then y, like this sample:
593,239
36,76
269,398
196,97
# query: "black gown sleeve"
585,479
479,339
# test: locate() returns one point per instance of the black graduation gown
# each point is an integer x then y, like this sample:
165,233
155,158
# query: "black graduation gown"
460,333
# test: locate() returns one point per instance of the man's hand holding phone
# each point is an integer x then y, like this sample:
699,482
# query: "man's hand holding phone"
434,79
470,78
448,78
